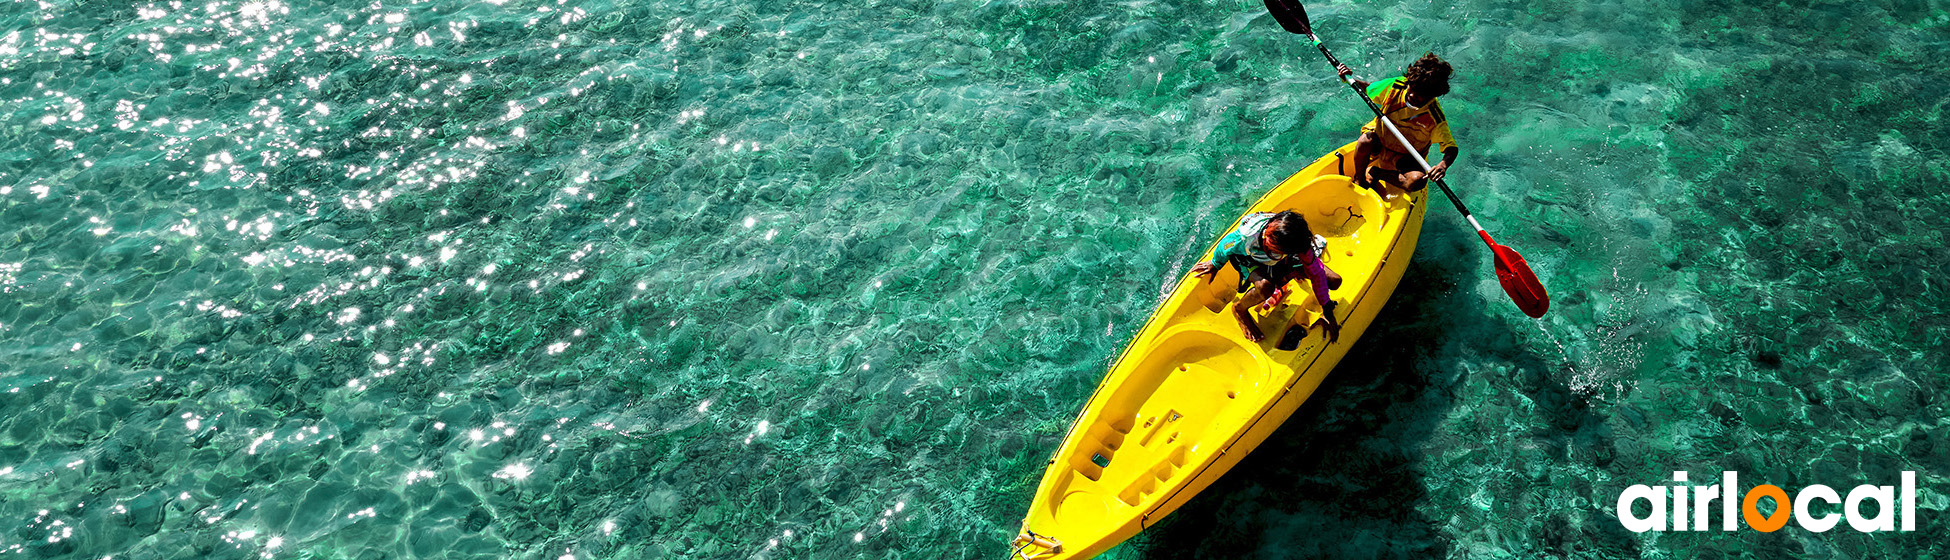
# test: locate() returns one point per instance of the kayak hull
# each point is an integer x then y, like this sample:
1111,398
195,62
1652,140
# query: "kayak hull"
1190,396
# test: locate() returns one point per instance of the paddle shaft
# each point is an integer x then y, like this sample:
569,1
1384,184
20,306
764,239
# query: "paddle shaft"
1397,133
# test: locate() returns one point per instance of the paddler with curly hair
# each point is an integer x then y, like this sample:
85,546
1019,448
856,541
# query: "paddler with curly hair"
1270,250
1410,102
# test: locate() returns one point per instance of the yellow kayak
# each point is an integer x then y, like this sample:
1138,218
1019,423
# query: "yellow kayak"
1191,396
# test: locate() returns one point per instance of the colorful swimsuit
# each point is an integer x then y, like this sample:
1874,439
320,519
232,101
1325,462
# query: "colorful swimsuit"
1241,248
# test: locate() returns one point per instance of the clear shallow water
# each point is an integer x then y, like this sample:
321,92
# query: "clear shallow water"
804,280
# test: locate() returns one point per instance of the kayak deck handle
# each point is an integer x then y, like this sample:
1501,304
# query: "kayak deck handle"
1029,538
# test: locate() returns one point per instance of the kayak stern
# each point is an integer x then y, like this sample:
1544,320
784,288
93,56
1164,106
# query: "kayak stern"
1191,395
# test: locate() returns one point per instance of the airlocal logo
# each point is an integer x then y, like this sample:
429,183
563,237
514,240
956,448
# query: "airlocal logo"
1690,509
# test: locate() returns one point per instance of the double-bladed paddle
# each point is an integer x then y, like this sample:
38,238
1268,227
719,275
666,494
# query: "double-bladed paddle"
1511,270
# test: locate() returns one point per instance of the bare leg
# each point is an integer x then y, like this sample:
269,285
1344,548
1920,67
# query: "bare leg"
1411,181
1243,309
1364,151
1415,180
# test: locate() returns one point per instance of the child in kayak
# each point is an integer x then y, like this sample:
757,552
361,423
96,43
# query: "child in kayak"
1269,250
1410,102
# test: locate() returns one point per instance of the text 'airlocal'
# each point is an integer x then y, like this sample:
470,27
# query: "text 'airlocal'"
1688,508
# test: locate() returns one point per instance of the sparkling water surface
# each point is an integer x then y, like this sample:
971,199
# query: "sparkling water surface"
588,279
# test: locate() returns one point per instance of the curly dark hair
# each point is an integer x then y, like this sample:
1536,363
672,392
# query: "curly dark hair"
1429,75
1290,232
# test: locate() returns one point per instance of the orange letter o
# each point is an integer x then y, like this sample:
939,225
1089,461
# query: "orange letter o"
1782,509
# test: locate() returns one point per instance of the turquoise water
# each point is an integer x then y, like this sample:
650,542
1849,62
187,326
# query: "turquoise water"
538,279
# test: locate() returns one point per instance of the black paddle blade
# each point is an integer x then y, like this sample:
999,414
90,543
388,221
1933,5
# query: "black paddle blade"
1291,15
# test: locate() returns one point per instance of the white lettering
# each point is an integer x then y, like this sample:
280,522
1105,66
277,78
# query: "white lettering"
1729,505
1679,502
1656,495
1702,495
1671,507
1909,500
1807,518
1885,497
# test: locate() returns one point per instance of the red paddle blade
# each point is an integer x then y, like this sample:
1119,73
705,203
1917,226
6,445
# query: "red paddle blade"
1520,282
